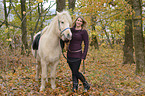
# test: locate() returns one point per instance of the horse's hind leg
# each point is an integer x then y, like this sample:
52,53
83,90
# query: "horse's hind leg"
44,74
38,70
53,75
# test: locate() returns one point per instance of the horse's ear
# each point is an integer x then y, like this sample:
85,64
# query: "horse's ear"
57,13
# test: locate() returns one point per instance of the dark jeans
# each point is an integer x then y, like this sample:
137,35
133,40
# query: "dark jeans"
74,66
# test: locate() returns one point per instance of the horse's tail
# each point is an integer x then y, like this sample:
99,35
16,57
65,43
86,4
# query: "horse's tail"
35,43
35,55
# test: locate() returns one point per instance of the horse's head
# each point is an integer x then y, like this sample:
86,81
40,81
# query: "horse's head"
64,22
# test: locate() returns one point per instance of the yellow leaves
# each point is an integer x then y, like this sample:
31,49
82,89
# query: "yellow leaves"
11,27
94,33
6,30
98,27
24,12
9,39
40,1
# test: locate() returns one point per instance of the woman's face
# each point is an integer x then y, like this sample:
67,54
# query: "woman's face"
79,22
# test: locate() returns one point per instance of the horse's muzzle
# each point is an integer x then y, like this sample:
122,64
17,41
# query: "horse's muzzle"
67,35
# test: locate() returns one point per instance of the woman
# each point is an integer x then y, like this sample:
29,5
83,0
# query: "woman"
75,54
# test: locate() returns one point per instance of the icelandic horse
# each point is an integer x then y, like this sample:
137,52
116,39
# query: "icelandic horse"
49,48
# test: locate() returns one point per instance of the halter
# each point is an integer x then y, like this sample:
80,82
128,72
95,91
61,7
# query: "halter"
60,28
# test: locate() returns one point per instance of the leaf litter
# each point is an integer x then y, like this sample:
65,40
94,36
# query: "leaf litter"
103,70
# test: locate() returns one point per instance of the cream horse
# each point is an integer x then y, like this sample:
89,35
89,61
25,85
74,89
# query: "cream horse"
49,49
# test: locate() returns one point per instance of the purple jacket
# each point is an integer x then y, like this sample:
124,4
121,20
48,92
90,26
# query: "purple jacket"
75,46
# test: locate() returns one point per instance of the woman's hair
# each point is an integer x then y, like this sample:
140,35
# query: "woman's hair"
83,20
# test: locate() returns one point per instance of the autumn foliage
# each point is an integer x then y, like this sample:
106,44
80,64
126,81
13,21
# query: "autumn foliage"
103,70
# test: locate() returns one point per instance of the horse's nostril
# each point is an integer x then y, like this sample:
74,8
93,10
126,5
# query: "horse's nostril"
68,35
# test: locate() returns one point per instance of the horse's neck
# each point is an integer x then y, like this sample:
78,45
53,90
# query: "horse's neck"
51,33
53,36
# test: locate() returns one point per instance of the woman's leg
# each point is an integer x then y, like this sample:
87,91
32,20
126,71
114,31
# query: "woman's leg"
83,80
74,66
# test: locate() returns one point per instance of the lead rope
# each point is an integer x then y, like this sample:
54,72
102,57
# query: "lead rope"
84,66
69,59
74,61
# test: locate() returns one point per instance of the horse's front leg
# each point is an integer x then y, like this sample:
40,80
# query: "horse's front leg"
53,74
38,69
44,74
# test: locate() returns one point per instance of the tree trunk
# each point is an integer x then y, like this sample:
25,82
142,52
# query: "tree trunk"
60,5
6,20
107,38
138,36
128,44
30,19
23,26
35,29
112,36
41,26
6,15
94,41
71,5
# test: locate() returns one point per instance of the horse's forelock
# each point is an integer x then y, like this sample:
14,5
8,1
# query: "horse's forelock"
67,15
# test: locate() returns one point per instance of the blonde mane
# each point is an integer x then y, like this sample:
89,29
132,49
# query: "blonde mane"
51,25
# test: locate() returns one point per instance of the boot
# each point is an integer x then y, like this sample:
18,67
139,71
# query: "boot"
86,86
75,87
75,83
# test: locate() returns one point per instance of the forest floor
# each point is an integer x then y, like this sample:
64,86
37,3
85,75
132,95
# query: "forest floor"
103,70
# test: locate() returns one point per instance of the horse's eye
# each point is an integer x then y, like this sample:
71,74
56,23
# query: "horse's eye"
62,22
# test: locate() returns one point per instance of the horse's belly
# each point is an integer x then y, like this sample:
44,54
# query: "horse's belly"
50,56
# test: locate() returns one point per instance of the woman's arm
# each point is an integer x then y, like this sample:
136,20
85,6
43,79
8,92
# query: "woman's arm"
86,42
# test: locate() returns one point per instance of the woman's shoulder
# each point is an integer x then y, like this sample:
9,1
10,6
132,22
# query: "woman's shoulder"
72,29
84,31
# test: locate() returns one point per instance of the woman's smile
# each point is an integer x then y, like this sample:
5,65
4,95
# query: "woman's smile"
79,22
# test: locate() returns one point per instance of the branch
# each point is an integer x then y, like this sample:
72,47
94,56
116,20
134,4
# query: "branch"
10,6
40,16
106,17
45,15
16,11
3,22
50,6
15,26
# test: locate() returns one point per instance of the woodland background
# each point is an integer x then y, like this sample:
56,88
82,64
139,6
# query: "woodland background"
115,63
